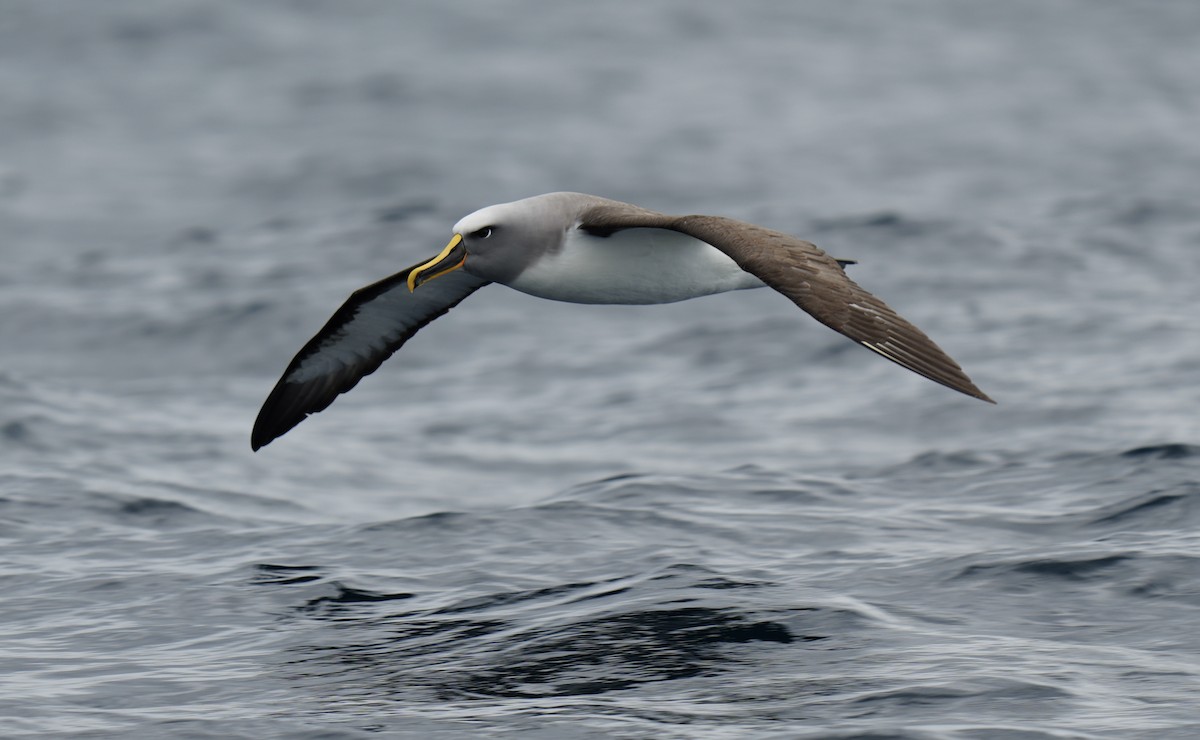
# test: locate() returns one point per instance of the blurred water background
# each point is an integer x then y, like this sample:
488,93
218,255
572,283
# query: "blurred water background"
713,519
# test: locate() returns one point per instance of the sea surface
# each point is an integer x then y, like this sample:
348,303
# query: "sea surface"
711,519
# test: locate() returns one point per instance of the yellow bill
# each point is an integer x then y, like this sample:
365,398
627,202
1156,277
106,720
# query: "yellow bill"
451,258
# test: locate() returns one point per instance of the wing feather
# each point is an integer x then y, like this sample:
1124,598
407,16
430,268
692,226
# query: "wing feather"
371,325
812,279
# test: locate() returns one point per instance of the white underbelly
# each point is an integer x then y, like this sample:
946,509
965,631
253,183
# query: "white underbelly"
634,266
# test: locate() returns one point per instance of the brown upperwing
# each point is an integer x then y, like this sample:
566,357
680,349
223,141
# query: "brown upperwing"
812,279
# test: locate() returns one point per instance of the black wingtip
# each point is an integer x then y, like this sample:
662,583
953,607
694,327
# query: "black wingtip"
265,433
260,439
274,420
279,414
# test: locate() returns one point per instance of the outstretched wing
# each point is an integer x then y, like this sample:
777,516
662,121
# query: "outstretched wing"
372,324
813,280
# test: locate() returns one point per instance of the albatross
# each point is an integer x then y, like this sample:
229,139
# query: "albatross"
586,249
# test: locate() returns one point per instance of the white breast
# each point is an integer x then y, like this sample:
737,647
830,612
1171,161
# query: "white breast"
634,266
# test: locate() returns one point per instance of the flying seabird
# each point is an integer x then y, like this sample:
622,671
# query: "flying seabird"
586,249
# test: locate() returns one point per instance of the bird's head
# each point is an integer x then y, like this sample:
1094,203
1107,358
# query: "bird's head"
497,243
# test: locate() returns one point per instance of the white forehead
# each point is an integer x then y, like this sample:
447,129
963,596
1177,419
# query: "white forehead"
489,216
550,210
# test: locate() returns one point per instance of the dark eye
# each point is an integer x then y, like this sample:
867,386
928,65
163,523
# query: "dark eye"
483,233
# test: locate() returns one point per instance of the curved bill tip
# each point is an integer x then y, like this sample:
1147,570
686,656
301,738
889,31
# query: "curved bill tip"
450,259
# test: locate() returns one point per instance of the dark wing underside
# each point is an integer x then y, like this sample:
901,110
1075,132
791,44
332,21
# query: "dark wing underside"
813,280
372,324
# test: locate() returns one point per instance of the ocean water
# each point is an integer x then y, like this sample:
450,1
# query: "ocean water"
712,519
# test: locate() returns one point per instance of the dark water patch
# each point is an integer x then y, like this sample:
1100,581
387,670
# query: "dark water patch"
345,597
197,235
603,594
923,695
1168,507
21,432
400,212
698,576
691,576
1173,451
285,575
1167,577
150,512
11,383
438,521
945,462
490,659
890,223
1050,570
621,652
1076,570
570,639
156,509
391,656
